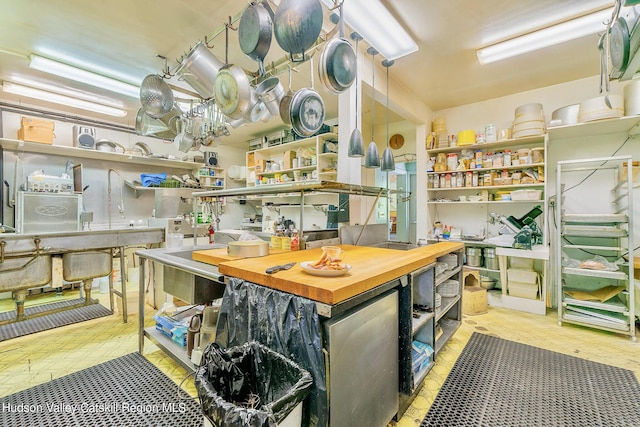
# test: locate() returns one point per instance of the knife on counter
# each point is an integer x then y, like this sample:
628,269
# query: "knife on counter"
276,268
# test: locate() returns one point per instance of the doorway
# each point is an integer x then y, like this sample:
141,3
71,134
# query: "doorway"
402,203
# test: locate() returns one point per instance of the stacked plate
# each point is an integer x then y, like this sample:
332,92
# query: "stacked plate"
440,128
596,108
529,121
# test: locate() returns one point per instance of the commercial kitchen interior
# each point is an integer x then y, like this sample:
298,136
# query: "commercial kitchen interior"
443,81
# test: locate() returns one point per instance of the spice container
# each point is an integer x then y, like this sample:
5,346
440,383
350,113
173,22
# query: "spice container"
506,158
447,181
497,160
452,161
468,179
523,155
474,180
459,180
490,134
478,158
441,163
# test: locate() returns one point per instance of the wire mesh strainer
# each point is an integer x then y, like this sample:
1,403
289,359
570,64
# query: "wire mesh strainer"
156,96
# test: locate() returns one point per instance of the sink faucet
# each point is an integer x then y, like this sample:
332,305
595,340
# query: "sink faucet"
121,205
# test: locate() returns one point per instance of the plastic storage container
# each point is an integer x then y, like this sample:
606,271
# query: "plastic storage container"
522,283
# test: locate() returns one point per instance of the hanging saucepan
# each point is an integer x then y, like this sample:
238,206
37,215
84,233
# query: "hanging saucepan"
297,25
337,65
270,91
285,103
254,33
200,69
307,110
232,90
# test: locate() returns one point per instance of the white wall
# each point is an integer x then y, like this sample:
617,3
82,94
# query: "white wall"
500,111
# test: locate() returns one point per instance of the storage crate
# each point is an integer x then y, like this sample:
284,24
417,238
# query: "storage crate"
36,130
522,283
521,263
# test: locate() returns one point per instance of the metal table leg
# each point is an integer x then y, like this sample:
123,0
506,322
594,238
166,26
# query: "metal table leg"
123,280
141,306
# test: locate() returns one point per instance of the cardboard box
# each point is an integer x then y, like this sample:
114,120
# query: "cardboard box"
36,130
251,158
260,165
287,159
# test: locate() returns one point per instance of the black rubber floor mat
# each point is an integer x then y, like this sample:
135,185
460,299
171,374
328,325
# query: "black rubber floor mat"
127,391
41,308
496,382
50,321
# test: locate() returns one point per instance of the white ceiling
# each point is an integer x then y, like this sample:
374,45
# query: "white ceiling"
126,36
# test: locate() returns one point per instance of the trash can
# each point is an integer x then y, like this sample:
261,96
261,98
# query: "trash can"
250,385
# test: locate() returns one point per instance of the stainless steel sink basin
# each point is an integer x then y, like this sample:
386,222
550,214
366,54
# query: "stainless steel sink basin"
86,265
25,272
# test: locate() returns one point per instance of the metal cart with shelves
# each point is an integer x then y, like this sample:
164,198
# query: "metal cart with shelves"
593,268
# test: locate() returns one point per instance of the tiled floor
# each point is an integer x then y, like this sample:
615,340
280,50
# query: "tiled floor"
37,358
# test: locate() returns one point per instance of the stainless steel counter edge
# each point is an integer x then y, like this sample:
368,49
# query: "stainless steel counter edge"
180,258
80,240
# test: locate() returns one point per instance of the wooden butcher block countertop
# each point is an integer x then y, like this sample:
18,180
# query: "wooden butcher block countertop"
370,267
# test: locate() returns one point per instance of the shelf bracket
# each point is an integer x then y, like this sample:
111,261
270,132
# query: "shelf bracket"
635,130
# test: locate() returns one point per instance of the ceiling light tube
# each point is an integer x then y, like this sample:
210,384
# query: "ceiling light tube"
83,76
549,36
378,27
65,91
42,95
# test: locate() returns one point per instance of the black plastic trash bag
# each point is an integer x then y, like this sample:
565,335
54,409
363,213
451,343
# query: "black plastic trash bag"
249,385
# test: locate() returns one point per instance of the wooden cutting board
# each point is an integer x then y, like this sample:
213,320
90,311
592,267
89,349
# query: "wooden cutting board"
216,256
370,267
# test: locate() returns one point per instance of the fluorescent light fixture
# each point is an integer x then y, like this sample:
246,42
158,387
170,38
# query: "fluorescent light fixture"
65,91
549,36
378,27
42,95
67,71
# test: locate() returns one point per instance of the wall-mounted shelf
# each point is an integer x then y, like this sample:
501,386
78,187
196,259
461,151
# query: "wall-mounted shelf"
596,128
507,143
138,189
489,187
64,151
497,168
482,202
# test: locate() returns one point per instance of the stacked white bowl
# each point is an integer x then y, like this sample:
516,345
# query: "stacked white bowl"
529,121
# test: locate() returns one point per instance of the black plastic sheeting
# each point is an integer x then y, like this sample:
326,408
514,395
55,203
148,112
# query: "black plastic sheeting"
285,323
249,385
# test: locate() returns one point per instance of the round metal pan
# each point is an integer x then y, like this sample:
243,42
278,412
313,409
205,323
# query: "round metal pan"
297,25
337,66
254,33
248,248
233,92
